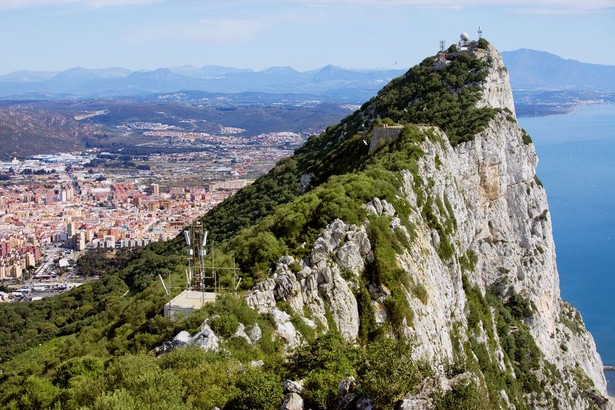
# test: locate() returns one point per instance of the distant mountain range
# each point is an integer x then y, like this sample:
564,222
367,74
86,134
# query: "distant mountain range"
336,83
529,70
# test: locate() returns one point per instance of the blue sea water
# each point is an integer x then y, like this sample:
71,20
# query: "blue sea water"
577,167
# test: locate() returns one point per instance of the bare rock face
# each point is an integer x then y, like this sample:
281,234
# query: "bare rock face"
497,92
487,190
341,248
502,218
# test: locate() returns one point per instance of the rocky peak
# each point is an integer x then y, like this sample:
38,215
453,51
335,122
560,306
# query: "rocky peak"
470,225
496,89
437,232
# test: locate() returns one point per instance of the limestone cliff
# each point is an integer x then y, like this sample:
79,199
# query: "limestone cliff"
479,257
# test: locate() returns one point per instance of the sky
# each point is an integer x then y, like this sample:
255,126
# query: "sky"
54,35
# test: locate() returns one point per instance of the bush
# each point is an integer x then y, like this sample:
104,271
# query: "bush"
387,372
323,364
256,389
465,395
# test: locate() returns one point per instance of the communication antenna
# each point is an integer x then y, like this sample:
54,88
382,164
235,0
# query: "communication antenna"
480,33
441,45
201,274
197,277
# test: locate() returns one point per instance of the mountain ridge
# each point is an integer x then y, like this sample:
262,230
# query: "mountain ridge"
403,258
90,83
530,69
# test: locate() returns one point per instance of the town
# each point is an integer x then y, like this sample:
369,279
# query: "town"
55,207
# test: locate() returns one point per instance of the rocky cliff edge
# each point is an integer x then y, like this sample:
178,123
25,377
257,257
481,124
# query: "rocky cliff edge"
497,229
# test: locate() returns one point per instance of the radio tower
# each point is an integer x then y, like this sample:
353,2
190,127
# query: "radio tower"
441,45
480,33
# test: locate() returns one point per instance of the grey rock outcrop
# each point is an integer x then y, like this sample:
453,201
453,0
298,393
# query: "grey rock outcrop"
340,249
502,243
292,401
206,339
241,333
292,396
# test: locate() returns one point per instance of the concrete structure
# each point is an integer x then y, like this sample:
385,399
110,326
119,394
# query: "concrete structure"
229,185
383,136
187,302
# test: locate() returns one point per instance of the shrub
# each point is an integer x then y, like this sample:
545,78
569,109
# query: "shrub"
256,389
323,364
387,372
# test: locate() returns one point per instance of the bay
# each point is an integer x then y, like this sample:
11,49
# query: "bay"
576,154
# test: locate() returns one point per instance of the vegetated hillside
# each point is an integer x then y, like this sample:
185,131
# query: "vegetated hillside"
382,267
255,119
445,98
25,132
47,127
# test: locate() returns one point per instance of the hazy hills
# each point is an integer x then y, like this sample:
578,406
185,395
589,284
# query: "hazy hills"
531,69
42,127
274,99
31,130
335,82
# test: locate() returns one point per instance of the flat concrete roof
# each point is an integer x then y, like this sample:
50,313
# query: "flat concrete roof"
191,299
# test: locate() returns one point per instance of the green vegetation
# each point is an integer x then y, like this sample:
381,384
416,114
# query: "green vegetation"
323,364
384,370
466,395
424,95
571,318
94,347
482,43
468,261
526,137
444,97
388,372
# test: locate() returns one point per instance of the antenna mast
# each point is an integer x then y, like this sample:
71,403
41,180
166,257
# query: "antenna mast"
196,241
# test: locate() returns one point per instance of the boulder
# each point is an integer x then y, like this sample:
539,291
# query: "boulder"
206,339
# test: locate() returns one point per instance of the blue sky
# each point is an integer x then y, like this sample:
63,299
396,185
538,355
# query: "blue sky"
304,34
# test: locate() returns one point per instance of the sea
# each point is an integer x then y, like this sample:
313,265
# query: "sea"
576,154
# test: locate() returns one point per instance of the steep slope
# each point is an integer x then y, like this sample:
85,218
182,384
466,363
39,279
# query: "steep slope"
402,259
475,281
